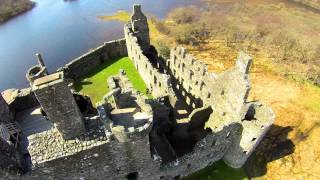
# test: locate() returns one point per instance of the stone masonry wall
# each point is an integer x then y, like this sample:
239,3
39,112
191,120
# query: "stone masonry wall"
97,157
5,114
84,64
190,76
159,84
22,99
227,94
8,159
60,106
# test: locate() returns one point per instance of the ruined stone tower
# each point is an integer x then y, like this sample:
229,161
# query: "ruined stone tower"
140,27
57,101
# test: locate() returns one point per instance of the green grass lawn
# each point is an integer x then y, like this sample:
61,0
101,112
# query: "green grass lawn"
95,84
218,171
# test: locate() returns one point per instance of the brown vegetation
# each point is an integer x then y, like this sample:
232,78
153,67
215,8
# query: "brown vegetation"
311,3
284,41
11,8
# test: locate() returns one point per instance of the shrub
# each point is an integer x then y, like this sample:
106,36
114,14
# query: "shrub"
163,49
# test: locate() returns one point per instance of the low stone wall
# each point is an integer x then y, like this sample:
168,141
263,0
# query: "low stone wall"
83,65
52,143
94,158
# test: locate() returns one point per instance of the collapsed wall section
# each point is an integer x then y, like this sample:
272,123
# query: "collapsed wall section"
83,65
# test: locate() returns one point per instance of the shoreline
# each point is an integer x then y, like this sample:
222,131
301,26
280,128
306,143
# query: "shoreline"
26,9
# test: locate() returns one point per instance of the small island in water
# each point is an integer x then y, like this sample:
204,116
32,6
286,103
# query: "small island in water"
12,8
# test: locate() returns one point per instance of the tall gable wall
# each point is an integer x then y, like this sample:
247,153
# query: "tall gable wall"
156,81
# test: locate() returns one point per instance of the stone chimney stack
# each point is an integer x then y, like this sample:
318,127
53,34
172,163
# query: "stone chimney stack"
58,103
40,60
37,71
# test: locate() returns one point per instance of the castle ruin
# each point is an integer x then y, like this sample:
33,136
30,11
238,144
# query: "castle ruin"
194,119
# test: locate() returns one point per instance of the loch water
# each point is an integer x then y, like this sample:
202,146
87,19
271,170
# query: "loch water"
62,30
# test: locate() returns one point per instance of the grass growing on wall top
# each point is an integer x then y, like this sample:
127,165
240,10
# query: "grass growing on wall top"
95,84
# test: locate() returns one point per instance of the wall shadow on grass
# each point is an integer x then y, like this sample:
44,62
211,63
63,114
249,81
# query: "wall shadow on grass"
274,145
108,62
95,83
218,171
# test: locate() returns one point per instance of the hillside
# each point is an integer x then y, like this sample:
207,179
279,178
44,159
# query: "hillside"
283,40
12,8
311,3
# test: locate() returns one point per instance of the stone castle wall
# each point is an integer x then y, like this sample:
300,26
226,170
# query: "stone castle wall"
190,77
5,114
8,158
57,101
83,65
158,83
227,94
237,125
22,99
98,158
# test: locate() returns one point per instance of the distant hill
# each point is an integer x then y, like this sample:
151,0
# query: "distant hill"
12,8
311,3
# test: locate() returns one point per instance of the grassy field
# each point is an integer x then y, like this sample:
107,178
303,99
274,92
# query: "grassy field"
95,84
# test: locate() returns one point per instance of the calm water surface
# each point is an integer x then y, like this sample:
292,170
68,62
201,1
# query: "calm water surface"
61,31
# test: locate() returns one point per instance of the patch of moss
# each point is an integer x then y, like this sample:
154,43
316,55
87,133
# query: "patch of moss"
95,84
